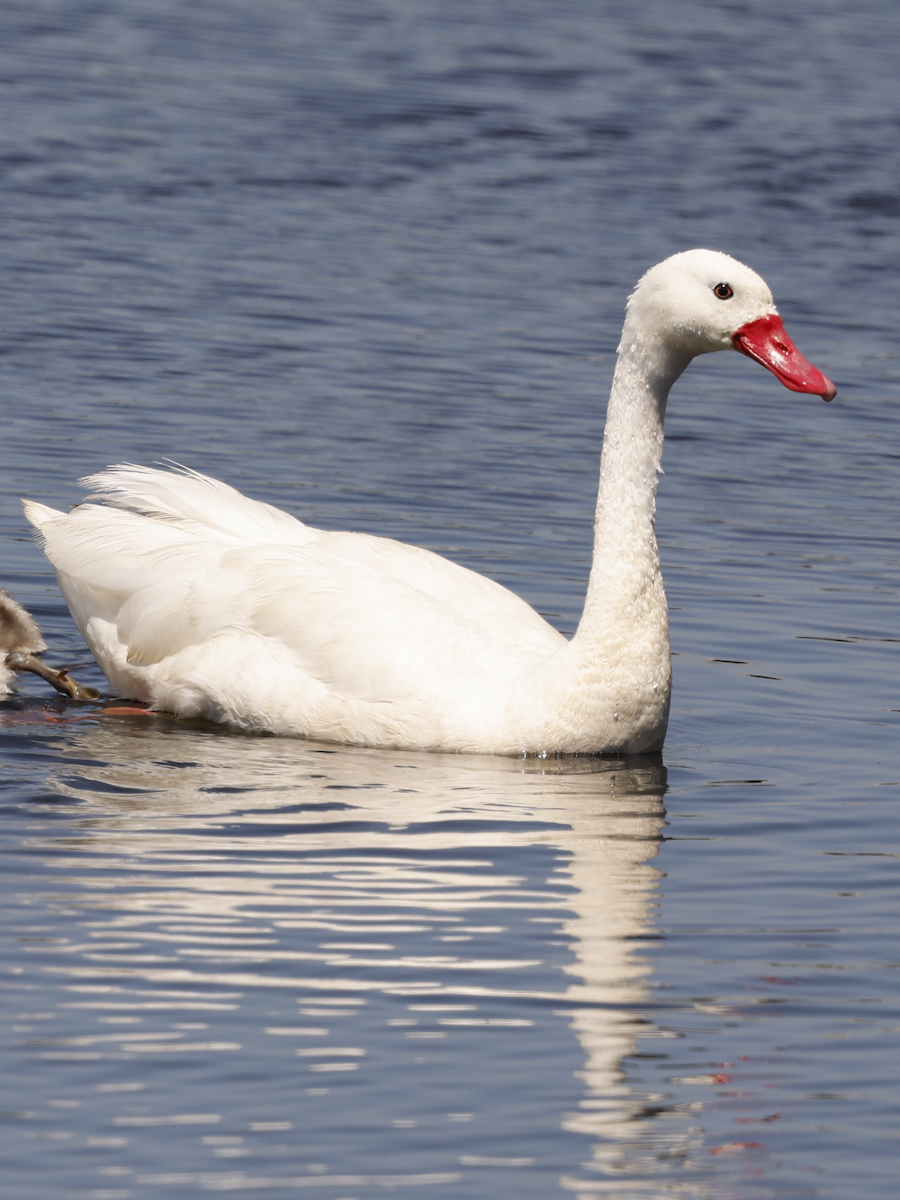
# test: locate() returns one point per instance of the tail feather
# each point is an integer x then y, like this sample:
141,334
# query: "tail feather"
38,514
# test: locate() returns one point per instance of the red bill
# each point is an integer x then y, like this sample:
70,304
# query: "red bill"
767,341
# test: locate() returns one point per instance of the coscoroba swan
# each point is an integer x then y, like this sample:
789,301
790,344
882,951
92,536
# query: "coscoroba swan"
200,601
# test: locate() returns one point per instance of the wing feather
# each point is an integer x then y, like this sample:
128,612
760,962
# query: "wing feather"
171,560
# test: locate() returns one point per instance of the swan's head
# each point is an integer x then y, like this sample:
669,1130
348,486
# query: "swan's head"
700,301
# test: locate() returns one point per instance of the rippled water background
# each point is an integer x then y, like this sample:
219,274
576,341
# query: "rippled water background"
367,260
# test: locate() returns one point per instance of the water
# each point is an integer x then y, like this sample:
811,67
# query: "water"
368,261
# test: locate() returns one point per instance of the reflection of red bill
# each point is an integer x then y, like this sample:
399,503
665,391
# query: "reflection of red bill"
736,1147
767,341
124,711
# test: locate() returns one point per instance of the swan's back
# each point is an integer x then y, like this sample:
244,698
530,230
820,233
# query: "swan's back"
175,574
183,514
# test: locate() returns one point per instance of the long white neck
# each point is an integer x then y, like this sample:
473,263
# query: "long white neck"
608,690
625,588
611,685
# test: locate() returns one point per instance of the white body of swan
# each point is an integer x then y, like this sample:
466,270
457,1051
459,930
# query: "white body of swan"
202,602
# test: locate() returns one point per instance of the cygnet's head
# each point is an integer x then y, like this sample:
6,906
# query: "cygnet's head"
18,632
18,629
700,301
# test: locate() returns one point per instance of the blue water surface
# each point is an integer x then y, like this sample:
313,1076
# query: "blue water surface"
368,261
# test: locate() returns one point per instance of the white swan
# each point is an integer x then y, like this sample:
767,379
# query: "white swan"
202,602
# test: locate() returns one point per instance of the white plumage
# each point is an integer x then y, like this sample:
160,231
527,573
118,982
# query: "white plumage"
203,602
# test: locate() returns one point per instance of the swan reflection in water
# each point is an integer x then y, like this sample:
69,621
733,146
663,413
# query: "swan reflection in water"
209,860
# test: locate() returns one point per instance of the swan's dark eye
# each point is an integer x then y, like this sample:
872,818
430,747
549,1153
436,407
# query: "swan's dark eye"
724,291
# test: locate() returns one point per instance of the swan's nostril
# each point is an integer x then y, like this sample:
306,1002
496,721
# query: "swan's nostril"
767,341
